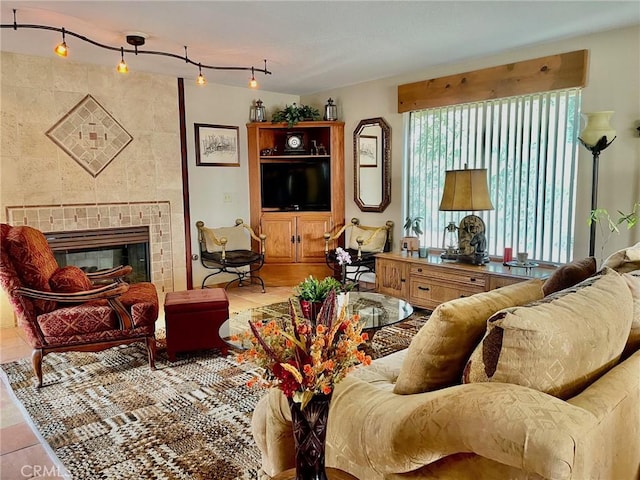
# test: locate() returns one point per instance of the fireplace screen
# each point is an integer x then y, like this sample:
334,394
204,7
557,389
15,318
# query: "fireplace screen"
93,250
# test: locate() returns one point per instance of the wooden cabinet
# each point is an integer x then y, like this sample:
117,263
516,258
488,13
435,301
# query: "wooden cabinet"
296,195
295,237
392,277
426,283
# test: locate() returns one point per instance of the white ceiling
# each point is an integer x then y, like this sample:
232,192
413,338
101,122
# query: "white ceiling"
310,46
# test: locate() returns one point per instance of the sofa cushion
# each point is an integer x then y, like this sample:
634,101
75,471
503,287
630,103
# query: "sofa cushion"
625,260
374,240
438,352
558,345
70,279
633,342
569,275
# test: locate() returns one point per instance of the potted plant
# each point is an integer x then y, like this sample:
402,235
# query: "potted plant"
292,114
412,225
312,292
602,216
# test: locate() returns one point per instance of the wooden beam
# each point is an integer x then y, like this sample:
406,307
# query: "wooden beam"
555,72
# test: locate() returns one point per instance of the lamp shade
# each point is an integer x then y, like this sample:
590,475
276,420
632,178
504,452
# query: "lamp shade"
466,190
597,126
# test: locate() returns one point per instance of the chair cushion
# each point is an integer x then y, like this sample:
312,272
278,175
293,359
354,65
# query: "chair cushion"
77,320
560,344
375,240
33,261
70,279
438,352
233,258
238,238
569,275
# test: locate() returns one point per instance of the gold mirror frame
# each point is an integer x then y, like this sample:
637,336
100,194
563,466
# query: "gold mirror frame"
379,147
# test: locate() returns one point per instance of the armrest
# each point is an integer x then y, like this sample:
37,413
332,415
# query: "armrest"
110,293
103,293
328,237
510,424
111,273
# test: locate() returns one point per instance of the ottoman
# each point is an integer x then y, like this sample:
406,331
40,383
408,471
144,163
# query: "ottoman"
193,319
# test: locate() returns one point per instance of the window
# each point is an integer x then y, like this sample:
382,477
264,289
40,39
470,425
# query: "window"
527,144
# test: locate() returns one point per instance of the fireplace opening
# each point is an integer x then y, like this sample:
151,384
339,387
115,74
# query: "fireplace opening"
93,250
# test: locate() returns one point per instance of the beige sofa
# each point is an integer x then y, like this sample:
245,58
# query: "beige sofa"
501,385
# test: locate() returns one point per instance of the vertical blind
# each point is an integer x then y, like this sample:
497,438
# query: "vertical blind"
528,145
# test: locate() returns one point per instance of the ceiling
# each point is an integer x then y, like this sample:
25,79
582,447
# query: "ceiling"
310,46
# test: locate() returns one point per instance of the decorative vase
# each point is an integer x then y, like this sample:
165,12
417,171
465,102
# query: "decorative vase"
309,433
597,126
310,310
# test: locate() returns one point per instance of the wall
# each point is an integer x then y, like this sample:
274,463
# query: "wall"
37,91
208,185
614,76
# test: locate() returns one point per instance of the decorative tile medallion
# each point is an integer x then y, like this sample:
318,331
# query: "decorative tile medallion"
90,135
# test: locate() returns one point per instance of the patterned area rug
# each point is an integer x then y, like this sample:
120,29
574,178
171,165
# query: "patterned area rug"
107,416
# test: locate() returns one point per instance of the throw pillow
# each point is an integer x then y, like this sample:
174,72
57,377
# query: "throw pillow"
625,260
237,238
438,352
70,279
374,240
569,275
633,342
559,345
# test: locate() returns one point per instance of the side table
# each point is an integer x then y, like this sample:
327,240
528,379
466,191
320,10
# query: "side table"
332,474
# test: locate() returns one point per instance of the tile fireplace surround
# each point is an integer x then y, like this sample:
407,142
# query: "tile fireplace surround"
157,215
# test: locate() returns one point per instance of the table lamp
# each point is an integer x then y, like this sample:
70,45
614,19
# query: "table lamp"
466,190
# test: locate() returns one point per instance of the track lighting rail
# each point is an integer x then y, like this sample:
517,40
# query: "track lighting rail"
135,51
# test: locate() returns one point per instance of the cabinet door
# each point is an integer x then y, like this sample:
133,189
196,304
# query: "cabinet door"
391,277
310,237
280,244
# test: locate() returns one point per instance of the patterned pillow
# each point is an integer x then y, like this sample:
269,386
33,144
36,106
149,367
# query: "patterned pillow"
569,275
69,279
438,352
374,240
559,345
633,282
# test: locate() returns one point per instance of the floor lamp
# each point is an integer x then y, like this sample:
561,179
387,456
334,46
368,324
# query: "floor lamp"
594,137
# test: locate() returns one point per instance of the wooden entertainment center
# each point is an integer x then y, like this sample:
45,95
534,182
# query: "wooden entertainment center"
294,230
428,282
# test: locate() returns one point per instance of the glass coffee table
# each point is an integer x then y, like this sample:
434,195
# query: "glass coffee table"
375,310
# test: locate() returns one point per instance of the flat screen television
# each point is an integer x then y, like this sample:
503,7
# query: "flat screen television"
304,186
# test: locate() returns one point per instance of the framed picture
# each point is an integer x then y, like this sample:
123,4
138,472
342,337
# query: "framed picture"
367,151
217,145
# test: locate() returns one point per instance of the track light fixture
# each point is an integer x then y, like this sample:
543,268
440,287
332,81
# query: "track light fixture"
61,49
201,80
122,66
135,41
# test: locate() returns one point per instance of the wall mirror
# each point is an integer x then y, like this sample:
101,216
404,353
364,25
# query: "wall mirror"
372,164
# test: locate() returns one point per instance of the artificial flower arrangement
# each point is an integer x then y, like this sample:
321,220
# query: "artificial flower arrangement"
305,358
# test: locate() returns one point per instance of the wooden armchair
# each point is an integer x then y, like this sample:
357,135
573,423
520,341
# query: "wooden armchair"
362,245
62,309
228,250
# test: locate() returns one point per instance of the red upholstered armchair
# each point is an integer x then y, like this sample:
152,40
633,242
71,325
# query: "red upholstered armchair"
62,309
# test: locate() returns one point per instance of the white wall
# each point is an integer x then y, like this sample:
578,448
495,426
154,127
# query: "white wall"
613,84
221,105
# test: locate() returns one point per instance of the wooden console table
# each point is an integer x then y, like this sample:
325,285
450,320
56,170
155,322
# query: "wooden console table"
428,282
332,474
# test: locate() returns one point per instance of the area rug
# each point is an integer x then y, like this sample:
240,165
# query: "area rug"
106,415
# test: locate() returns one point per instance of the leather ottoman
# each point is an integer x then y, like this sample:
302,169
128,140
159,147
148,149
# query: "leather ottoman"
193,319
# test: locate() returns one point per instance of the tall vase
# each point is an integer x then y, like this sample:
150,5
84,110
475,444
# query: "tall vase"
309,433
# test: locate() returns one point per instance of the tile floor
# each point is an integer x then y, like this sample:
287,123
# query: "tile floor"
22,455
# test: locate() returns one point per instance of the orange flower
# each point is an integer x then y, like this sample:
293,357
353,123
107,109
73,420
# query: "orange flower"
321,329
326,389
